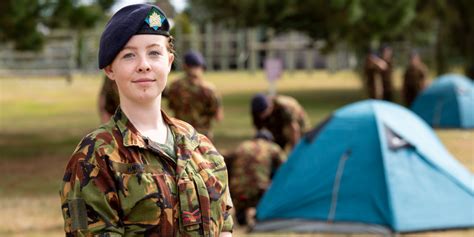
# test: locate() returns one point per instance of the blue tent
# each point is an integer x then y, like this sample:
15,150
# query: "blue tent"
372,167
448,102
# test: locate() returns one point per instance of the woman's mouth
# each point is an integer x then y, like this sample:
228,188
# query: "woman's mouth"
143,80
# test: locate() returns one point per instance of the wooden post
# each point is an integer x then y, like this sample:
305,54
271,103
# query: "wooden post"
251,41
270,46
71,65
196,38
224,55
309,59
241,52
291,53
209,55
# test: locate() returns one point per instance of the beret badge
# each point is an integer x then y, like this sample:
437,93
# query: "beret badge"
154,19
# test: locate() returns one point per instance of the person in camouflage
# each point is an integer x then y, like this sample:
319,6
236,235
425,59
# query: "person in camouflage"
194,100
282,115
414,79
144,173
376,70
108,99
253,164
386,73
372,68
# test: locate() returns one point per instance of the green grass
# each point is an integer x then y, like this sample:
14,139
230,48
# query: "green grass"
42,120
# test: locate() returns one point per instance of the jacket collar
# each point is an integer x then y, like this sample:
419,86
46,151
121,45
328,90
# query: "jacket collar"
185,136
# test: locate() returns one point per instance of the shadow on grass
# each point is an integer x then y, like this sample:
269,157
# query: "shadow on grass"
26,146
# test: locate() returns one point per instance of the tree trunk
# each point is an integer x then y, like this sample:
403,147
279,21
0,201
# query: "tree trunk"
440,54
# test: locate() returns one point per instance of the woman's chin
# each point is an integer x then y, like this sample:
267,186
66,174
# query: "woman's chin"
146,98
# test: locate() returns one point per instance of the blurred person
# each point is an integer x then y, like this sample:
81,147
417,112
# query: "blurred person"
282,115
373,67
108,99
386,54
143,173
194,100
414,79
253,163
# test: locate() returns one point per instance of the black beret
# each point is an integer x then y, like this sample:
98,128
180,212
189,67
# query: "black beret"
193,58
129,21
259,103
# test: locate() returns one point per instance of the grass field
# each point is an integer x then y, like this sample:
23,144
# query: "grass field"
42,120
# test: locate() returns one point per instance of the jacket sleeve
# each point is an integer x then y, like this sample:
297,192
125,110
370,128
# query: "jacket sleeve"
228,221
89,200
225,201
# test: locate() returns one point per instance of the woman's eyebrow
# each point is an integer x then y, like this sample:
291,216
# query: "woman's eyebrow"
154,45
129,47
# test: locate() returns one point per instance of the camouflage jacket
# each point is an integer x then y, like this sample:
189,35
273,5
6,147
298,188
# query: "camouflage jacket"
194,101
286,110
414,77
253,164
116,184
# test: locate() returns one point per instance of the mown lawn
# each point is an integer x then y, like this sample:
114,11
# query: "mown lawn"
42,120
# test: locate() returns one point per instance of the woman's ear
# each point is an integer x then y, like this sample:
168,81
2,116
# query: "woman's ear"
109,72
171,59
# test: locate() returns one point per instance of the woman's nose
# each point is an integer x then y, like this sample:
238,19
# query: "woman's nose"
144,66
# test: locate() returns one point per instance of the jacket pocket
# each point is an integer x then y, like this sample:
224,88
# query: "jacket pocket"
189,201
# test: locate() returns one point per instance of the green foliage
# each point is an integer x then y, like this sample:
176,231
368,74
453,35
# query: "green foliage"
363,24
105,4
449,24
183,22
354,21
380,21
68,14
18,22
21,19
243,13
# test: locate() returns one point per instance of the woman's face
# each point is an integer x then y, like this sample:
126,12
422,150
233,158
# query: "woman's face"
141,69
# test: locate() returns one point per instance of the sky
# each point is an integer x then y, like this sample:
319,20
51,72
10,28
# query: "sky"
179,5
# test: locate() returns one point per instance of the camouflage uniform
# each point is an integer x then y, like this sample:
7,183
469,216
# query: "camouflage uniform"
194,101
414,82
118,182
371,71
253,164
285,110
374,72
387,87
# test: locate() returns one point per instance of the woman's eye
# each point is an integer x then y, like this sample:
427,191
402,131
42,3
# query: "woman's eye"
154,53
128,55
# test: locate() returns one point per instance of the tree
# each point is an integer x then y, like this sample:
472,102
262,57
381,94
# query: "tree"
451,27
458,25
18,22
21,19
69,14
360,23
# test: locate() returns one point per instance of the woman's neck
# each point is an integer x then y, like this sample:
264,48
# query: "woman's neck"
146,118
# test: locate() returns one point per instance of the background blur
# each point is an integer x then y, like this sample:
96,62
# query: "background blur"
49,81
61,36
